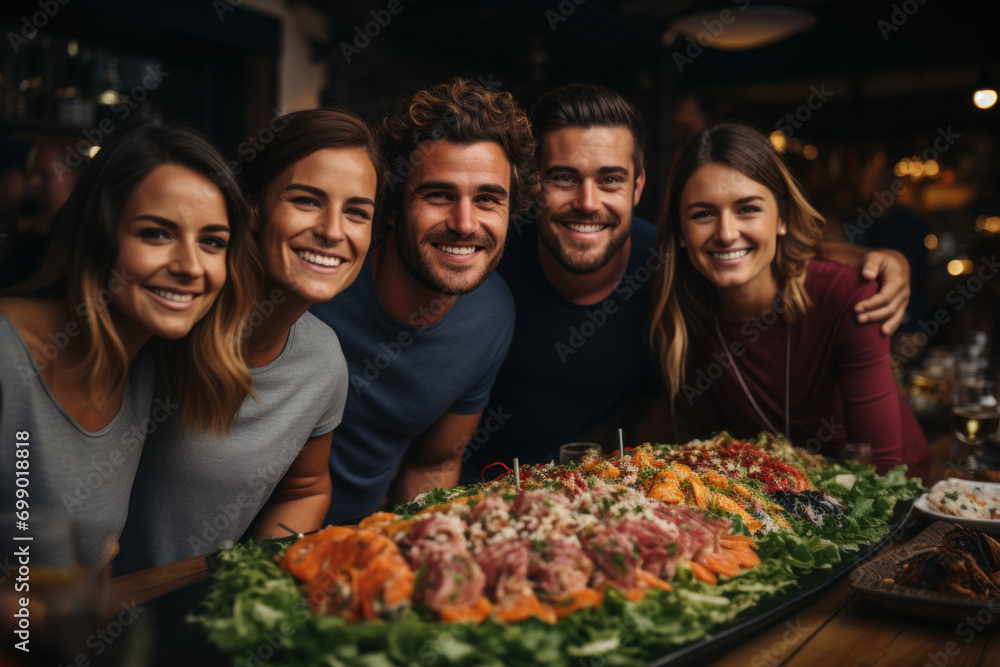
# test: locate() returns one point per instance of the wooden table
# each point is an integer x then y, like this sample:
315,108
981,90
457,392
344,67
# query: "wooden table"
838,628
843,628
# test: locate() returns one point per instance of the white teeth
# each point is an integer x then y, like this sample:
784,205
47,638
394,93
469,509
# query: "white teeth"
583,228
173,296
313,258
735,254
456,250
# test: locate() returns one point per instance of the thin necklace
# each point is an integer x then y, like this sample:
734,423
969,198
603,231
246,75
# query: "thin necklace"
746,390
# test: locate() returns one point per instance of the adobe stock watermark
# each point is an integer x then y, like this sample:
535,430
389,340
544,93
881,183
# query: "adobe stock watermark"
794,120
753,329
562,12
30,25
946,138
235,516
88,481
491,422
967,631
827,431
75,155
373,365
102,639
363,36
403,167
776,652
598,315
900,14
253,144
223,7
959,296
60,340
261,310
713,29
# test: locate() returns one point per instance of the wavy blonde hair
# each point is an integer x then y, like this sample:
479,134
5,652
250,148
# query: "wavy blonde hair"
684,301
204,371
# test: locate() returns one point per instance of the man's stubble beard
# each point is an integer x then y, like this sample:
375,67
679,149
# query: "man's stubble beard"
584,265
422,271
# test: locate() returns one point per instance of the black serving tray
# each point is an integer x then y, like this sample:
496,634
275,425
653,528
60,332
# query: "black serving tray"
181,643
774,609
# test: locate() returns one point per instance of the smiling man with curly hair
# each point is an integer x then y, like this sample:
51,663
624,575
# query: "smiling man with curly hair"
427,324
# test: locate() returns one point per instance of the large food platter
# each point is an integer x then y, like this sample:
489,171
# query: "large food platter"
680,622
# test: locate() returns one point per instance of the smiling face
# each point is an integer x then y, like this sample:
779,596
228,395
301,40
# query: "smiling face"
730,225
172,240
316,223
452,222
588,191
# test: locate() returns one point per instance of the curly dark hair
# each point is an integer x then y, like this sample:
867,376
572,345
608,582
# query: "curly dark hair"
464,112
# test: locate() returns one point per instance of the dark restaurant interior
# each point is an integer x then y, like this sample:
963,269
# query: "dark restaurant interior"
884,110
872,102
886,92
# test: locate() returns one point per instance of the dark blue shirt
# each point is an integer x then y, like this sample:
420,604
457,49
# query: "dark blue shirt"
569,366
404,377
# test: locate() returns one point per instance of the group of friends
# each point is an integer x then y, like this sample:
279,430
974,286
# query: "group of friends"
357,315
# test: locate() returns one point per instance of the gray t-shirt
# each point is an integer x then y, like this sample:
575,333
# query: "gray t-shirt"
71,473
195,493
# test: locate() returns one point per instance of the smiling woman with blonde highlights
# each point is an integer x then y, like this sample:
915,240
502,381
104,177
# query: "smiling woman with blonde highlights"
312,192
148,268
751,328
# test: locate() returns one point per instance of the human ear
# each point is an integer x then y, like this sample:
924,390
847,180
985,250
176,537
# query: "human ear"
640,182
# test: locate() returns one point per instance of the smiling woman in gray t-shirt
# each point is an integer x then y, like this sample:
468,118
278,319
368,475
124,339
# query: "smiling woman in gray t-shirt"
146,246
312,191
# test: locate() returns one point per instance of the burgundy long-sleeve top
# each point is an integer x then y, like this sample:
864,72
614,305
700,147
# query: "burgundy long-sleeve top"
841,387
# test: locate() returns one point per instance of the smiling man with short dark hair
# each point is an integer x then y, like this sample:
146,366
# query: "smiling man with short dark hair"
581,277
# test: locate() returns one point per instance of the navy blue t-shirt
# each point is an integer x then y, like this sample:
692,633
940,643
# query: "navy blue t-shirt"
403,377
569,366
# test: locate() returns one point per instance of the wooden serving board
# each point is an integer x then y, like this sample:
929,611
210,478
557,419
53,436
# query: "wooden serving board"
869,580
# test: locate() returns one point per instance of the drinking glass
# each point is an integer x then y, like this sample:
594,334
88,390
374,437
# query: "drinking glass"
975,414
63,596
575,451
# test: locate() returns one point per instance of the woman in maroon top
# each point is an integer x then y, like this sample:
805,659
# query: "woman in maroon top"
754,333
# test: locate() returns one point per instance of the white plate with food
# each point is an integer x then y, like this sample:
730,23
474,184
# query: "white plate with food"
975,504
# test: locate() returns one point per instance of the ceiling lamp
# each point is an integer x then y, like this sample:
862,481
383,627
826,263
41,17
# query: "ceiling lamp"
736,30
